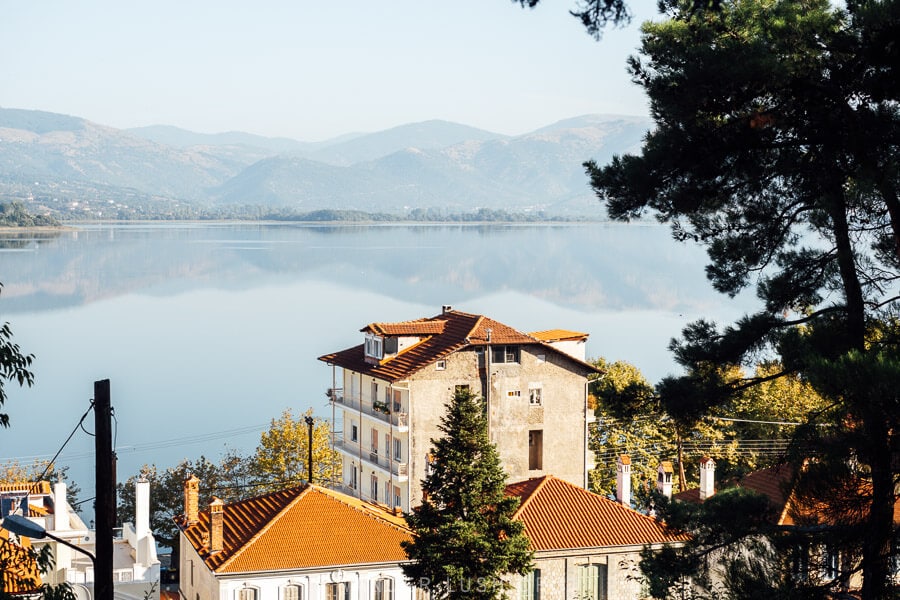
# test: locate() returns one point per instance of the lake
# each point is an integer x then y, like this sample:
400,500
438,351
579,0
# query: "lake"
208,331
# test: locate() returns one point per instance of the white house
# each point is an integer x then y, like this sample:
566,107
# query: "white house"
301,543
135,564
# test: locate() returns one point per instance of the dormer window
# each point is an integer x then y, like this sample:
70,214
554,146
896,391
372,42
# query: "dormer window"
374,347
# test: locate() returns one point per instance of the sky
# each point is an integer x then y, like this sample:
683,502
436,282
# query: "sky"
314,70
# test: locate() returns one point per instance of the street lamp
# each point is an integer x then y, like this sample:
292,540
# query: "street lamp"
21,526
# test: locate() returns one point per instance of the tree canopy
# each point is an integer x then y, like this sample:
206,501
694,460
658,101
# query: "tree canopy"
776,146
15,366
464,537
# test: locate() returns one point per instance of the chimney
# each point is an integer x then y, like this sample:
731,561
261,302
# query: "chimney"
191,499
664,478
446,308
623,480
141,508
60,507
216,521
142,520
707,477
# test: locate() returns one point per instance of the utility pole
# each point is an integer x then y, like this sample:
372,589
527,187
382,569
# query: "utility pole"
105,499
309,424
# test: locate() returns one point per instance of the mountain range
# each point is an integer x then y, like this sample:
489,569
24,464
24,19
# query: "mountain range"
60,161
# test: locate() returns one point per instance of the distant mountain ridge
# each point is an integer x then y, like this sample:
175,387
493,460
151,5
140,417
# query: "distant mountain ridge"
417,165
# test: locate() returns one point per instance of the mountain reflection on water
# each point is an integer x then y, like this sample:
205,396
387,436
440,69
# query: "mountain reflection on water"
207,331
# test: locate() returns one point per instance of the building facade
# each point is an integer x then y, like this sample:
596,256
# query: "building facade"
301,543
585,546
392,390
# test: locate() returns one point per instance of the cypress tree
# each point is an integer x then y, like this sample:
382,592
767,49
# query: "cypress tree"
464,536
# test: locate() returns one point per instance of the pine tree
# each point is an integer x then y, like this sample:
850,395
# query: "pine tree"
464,537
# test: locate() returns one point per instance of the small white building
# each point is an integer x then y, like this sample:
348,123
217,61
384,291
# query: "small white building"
135,564
301,543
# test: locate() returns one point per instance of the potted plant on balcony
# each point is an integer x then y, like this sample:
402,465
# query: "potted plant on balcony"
381,407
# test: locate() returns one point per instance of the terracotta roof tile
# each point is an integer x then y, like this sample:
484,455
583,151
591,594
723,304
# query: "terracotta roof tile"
20,574
459,330
559,515
418,327
558,335
300,527
32,487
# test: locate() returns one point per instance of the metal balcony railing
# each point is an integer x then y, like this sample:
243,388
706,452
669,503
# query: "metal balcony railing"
384,463
397,419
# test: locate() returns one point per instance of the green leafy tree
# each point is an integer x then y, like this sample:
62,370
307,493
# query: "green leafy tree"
464,537
282,457
15,366
777,145
225,480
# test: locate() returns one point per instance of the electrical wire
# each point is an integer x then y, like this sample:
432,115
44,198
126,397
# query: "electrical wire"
52,461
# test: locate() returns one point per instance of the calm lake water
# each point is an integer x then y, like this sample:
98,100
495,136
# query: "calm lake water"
208,331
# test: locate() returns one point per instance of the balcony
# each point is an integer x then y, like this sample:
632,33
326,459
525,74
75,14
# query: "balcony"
398,470
400,420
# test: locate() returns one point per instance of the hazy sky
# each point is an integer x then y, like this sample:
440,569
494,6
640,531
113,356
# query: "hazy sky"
312,70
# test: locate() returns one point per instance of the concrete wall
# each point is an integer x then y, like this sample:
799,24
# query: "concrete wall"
559,573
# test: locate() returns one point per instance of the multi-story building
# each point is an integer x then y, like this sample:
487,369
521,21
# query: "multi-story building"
392,390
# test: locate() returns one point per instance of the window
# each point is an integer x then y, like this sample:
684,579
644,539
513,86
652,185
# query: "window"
397,501
292,592
530,586
440,365
505,354
397,406
535,449
387,445
384,589
514,394
398,449
535,393
592,582
800,565
352,482
374,392
374,487
374,347
354,433
337,591
374,440
247,594
830,571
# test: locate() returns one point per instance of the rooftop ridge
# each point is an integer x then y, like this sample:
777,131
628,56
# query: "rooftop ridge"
363,508
262,530
543,481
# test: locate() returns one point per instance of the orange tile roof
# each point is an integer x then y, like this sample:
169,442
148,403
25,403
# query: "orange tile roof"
559,515
458,330
32,487
419,327
558,335
19,574
774,483
301,527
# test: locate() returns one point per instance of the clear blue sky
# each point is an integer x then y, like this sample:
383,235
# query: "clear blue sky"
312,70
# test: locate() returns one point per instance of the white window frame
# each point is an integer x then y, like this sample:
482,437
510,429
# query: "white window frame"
535,394
286,595
530,585
247,593
380,593
440,365
337,591
374,347
398,450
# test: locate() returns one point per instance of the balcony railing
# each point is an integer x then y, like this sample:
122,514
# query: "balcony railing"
398,419
384,463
